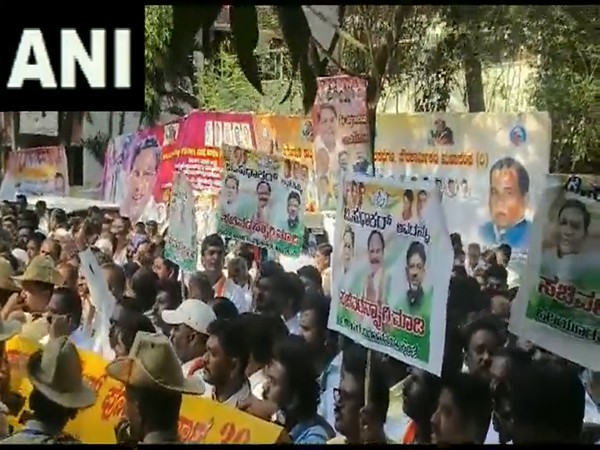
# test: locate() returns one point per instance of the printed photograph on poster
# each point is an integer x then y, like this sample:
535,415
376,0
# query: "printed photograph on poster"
34,172
488,167
181,244
391,273
289,137
262,200
341,134
557,306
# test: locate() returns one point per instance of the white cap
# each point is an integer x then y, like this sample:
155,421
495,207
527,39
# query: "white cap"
192,312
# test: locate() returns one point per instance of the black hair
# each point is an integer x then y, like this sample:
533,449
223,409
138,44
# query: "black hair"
416,248
350,231
49,412
130,322
231,176
261,331
294,354
320,304
354,362
270,268
295,289
410,195
119,280
158,408
456,240
311,273
38,238
325,249
148,143
509,162
580,206
173,289
486,322
230,334
549,398
144,285
212,240
506,250
265,182
497,271
326,106
293,195
473,399
372,235
71,302
224,308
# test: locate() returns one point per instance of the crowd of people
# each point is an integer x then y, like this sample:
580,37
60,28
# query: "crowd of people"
253,336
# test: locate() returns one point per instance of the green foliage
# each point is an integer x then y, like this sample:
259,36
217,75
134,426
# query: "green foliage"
223,87
158,23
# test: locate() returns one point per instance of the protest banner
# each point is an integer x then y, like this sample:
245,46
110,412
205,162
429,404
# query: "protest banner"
130,175
489,168
262,200
197,152
34,172
391,270
181,245
201,420
289,137
557,306
341,134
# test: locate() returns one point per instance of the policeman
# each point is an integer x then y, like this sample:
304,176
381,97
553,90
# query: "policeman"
59,392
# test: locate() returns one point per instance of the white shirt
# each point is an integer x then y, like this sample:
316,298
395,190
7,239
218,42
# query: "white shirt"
293,325
377,278
257,383
120,257
236,294
237,398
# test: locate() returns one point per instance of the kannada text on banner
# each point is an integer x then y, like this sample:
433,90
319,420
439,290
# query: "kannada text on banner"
289,137
488,167
36,171
262,200
560,294
201,420
181,244
391,271
341,134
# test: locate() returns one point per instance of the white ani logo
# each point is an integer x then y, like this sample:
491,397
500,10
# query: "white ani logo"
73,52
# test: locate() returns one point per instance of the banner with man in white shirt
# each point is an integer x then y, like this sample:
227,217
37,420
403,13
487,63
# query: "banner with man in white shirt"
262,200
391,270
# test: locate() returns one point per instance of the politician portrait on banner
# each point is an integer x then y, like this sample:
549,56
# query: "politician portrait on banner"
558,305
391,273
262,200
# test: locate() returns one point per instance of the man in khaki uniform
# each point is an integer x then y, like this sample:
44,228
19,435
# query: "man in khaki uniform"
59,392
8,330
154,384
37,284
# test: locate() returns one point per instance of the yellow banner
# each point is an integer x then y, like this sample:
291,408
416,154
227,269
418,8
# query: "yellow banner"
201,420
290,137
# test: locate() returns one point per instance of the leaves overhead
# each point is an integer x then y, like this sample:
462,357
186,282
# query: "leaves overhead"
187,22
244,26
296,34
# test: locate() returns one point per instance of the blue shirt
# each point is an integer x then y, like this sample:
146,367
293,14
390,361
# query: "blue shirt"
315,431
516,236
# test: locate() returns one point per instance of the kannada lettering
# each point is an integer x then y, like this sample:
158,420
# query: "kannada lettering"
252,173
383,315
569,296
567,325
413,230
290,183
268,231
363,218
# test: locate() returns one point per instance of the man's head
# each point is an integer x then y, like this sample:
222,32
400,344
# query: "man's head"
376,248
349,397
547,401
232,187
227,353
269,287
573,224
311,277
65,302
125,323
314,314
463,412
421,391
483,338
115,278
503,254
59,183
213,254
328,122
451,186
51,248
496,278
416,258
200,287
509,189
293,205
323,256
263,192
41,208
189,328
165,269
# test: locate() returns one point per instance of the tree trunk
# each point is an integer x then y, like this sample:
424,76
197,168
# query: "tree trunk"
473,77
